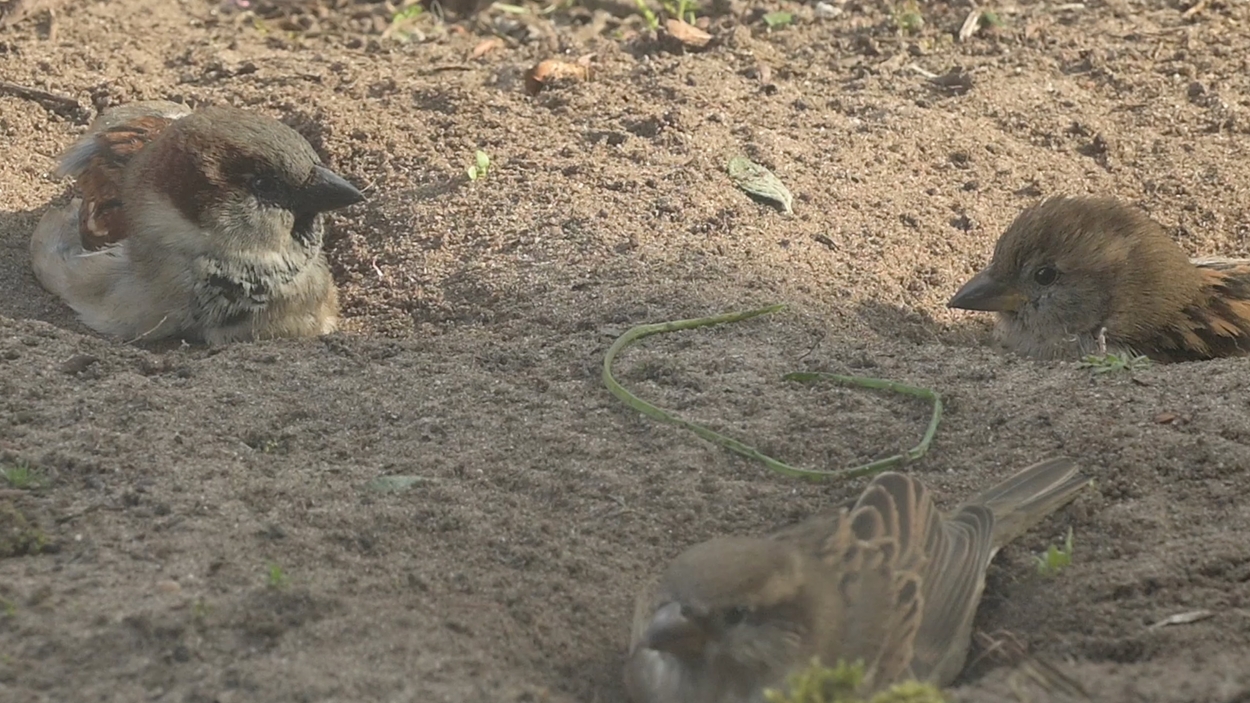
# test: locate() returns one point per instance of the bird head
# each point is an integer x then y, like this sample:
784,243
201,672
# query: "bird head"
1072,265
250,182
729,618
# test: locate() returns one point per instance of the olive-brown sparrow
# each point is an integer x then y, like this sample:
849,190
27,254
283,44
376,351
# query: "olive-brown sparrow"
1077,275
888,581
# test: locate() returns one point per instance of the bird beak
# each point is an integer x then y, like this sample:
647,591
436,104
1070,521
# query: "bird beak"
671,631
326,190
984,292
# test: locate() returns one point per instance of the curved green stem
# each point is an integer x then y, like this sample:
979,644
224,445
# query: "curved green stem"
636,333
895,387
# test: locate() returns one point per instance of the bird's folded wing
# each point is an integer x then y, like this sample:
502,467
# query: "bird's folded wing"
98,160
1218,324
875,553
953,579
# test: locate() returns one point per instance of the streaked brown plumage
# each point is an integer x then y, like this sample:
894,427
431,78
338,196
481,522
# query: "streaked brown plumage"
888,581
1074,276
113,139
201,225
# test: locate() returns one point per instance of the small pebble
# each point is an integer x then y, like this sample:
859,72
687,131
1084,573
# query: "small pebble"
825,11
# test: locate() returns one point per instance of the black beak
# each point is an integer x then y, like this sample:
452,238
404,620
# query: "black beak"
326,190
984,292
671,631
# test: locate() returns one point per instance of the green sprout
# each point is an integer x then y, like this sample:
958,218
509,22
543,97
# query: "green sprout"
408,13
22,476
275,577
199,612
989,18
908,18
1111,363
18,536
681,9
777,20
841,684
1055,559
653,22
480,167
402,20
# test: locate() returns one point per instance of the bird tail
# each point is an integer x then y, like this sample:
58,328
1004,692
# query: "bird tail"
52,246
90,282
1026,498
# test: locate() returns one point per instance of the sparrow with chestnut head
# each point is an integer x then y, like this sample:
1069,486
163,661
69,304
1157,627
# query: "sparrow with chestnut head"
887,581
202,225
1073,276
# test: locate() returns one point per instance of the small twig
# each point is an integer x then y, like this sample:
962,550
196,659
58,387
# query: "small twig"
927,74
37,95
636,333
1011,649
1182,619
971,24
154,328
814,347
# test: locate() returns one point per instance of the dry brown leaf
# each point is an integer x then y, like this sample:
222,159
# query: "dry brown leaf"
687,34
484,48
553,71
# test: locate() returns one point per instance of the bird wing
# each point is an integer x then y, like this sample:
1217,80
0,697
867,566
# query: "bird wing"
910,581
1218,324
952,580
961,549
873,605
900,509
98,162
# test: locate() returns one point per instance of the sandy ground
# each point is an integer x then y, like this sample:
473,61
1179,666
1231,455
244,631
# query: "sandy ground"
205,531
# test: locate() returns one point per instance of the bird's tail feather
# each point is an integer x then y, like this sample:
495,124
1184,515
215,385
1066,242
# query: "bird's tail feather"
86,280
51,245
1023,500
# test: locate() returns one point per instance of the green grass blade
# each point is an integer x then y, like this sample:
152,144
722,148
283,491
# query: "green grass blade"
642,331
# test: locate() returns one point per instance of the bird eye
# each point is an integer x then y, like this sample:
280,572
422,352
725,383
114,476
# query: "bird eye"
264,186
1046,275
733,616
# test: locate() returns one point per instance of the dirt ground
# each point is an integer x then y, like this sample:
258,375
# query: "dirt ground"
205,530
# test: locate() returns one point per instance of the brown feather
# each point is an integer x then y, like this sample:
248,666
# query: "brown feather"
1215,324
100,221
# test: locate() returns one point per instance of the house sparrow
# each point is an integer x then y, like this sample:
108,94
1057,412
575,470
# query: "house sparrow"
888,581
1076,275
201,225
